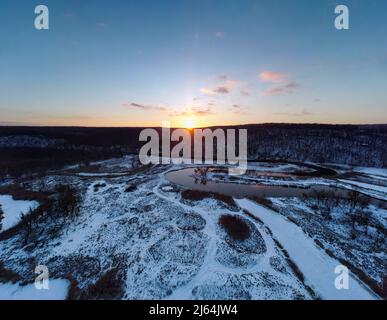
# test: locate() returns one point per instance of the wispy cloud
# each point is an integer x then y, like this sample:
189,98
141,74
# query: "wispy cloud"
279,83
198,111
225,86
238,109
173,112
222,90
272,76
207,91
302,113
202,111
144,107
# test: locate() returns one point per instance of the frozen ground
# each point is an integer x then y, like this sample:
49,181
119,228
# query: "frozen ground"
140,234
13,209
57,290
315,264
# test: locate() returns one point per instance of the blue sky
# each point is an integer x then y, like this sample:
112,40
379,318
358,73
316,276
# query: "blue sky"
137,63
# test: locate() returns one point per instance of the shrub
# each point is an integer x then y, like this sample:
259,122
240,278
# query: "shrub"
108,287
131,188
264,201
196,195
26,221
235,227
7,275
68,202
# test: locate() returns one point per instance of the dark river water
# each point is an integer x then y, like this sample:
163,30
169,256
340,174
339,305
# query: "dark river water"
184,178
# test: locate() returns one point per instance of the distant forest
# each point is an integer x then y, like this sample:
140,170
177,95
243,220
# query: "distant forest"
28,149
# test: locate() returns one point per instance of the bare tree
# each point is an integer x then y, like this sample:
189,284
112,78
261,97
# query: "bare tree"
26,222
357,212
1,217
68,202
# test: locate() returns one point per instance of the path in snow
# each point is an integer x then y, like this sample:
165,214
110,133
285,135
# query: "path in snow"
365,185
317,267
210,265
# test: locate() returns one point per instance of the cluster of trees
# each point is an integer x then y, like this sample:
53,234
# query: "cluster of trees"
351,145
354,205
326,201
19,161
358,213
64,205
360,145
235,227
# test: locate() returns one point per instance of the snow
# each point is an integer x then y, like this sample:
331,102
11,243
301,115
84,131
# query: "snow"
57,290
125,162
365,185
372,171
159,258
167,188
100,174
275,167
13,209
317,267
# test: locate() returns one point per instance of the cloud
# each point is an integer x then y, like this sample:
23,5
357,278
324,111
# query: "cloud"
144,107
288,88
198,111
220,34
237,109
223,77
202,111
245,93
273,91
101,24
302,113
272,76
194,110
207,91
292,85
224,87
279,83
222,90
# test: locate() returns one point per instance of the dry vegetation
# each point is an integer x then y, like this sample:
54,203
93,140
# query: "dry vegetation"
235,227
195,195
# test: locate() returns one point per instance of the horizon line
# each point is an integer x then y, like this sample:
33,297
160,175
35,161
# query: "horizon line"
212,126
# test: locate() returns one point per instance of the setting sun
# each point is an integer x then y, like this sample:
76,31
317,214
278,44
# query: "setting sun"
189,123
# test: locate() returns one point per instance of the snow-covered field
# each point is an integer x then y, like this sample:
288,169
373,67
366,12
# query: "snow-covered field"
13,209
57,290
315,264
147,238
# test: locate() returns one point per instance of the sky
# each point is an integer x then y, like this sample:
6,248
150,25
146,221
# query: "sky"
192,62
